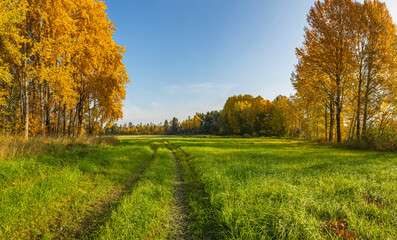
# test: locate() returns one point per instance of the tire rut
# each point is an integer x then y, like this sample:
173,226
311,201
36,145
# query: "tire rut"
103,212
180,214
192,228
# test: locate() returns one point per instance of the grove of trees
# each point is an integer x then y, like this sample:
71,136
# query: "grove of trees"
346,73
61,73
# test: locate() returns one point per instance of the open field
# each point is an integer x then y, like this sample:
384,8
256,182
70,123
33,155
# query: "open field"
200,188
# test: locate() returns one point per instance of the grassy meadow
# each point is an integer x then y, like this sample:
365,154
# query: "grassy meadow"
200,188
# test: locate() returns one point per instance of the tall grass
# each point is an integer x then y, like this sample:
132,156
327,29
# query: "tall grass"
17,147
283,189
235,188
146,213
60,195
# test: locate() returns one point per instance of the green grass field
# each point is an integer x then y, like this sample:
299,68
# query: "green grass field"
200,188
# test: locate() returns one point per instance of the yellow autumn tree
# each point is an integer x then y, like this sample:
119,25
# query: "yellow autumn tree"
12,15
327,55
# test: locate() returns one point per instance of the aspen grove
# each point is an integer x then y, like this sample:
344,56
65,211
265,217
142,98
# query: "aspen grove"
61,73
346,72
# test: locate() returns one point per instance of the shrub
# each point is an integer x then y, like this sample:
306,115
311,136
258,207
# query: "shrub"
375,139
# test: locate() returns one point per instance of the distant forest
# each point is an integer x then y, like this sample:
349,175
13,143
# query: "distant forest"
242,115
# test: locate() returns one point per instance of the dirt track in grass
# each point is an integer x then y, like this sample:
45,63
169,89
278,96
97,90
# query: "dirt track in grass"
180,213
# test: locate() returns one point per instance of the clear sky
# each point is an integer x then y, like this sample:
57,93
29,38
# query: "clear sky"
188,56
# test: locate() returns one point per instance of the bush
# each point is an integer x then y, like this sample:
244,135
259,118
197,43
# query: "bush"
246,135
376,140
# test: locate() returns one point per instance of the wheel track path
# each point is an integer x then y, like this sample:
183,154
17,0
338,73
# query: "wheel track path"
180,213
93,221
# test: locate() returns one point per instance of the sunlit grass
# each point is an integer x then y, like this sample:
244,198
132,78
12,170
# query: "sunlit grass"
251,188
146,213
49,196
281,189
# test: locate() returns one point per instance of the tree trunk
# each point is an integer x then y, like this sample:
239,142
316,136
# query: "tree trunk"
42,115
79,121
64,120
59,120
34,100
89,122
331,121
338,105
48,111
326,122
300,128
352,128
358,130
338,124
366,97
22,115
70,122
26,107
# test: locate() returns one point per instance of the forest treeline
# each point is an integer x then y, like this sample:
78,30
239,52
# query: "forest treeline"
345,82
241,115
61,73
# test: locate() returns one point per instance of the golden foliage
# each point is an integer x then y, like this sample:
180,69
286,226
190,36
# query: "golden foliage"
346,66
63,72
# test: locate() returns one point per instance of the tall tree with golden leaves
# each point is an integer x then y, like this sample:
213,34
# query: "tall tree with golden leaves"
379,55
12,15
329,46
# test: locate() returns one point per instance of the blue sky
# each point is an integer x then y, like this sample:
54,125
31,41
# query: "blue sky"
188,56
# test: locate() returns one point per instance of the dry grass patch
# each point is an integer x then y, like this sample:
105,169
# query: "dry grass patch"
16,147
